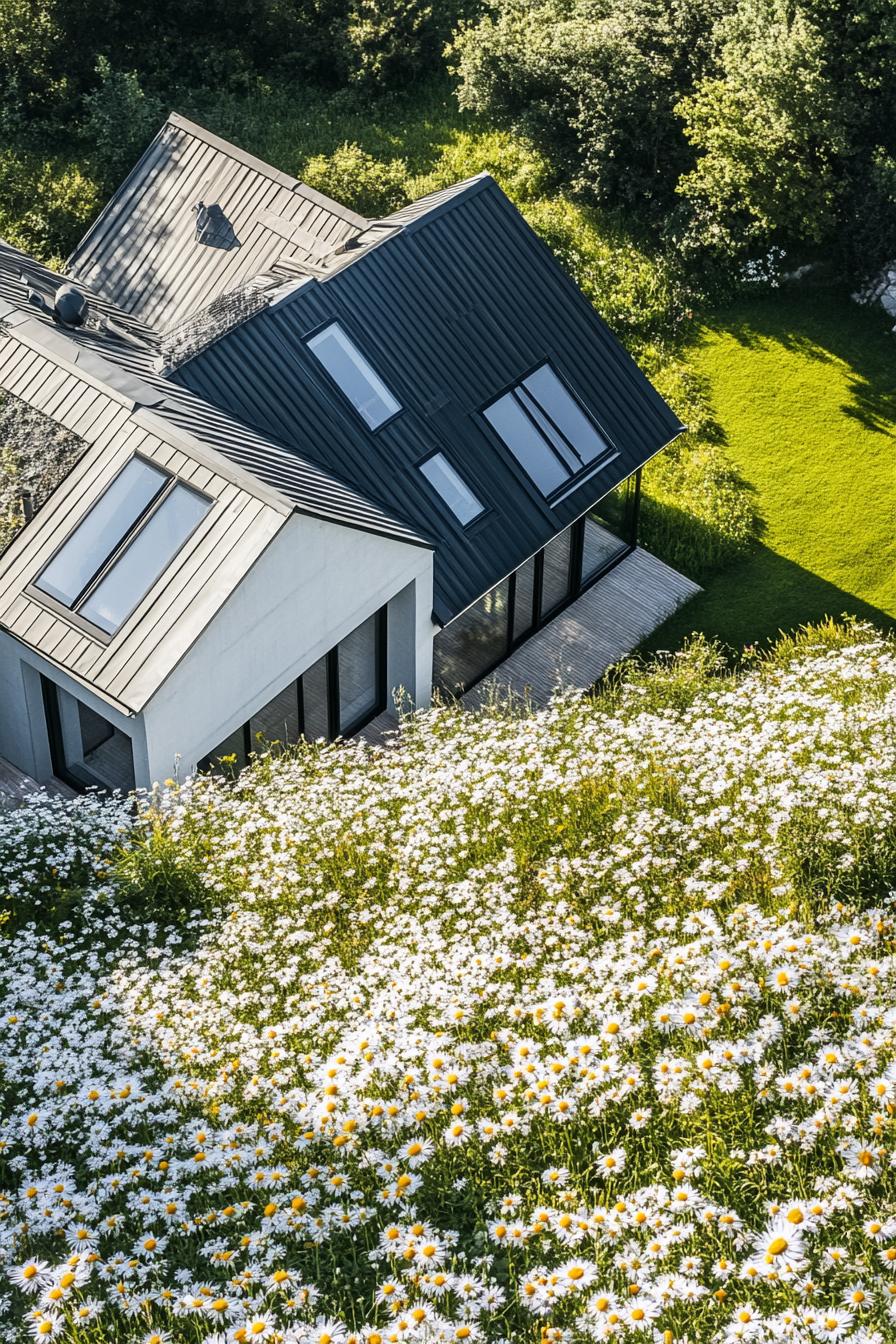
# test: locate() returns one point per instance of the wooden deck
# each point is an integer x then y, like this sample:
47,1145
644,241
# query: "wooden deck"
575,649
602,626
17,788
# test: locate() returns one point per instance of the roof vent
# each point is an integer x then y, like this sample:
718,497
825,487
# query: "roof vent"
70,306
213,228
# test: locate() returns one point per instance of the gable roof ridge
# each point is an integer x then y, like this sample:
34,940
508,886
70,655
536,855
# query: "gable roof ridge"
436,203
260,166
253,459
30,332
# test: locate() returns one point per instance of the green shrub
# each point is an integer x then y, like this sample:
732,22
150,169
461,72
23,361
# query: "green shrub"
638,293
371,186
45,204
697,514
516,166
159,872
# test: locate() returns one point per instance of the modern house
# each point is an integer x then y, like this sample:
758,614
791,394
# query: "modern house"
324,457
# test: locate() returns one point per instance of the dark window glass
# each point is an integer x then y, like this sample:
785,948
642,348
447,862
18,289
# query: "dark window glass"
609,527
101,531
546,429
451,486
87,750
316,700
359,689
355,377
561,407
556,578
474,642
599,547
549,431
525,593
277,721
147,556
229,756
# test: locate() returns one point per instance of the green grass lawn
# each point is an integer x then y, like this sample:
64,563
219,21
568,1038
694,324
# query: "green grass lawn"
804,385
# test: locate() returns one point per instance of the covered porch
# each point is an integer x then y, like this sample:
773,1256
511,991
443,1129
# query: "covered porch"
605,624
574,649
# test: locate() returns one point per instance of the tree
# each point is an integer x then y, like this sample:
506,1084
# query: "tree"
595,84
767,134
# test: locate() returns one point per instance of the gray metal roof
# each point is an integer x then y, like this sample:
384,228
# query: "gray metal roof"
143,255
129,667
122,354
451,307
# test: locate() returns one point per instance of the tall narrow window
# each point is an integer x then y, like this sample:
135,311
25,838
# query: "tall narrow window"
338,694
360,678
452,487
353,375
547,430
123,544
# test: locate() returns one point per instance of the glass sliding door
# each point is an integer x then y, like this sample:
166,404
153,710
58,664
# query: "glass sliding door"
610,528
278,721
315,683
556,572
473,643
482,636
86,750
335,696
524,593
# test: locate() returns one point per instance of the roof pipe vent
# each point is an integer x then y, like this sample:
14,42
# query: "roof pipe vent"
70,306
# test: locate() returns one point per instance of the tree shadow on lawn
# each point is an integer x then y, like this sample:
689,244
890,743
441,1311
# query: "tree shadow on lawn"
758,598
825,324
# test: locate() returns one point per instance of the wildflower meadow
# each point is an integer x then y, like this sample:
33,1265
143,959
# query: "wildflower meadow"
550,1026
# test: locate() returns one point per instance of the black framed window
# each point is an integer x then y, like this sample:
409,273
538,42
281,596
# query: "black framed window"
353,375
474,642
358,675
123,544
279,720
556,571
336,696
452,487
548,430
480,638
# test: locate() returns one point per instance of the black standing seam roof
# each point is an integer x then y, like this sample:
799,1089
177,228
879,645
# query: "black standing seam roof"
126,363
451,309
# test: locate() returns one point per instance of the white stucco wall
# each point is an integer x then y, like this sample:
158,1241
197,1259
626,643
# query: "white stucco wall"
23,732
315,582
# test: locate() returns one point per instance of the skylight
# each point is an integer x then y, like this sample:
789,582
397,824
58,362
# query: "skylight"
102,531
124,543
453,489
353,375
546,429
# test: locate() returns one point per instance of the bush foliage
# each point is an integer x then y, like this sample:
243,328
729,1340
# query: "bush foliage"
771,121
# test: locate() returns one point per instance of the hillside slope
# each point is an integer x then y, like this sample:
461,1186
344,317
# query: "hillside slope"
543,1027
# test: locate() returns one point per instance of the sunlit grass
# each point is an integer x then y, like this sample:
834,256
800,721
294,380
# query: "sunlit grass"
803,382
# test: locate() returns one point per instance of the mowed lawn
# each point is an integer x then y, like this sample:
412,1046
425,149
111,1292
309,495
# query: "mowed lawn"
804,385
